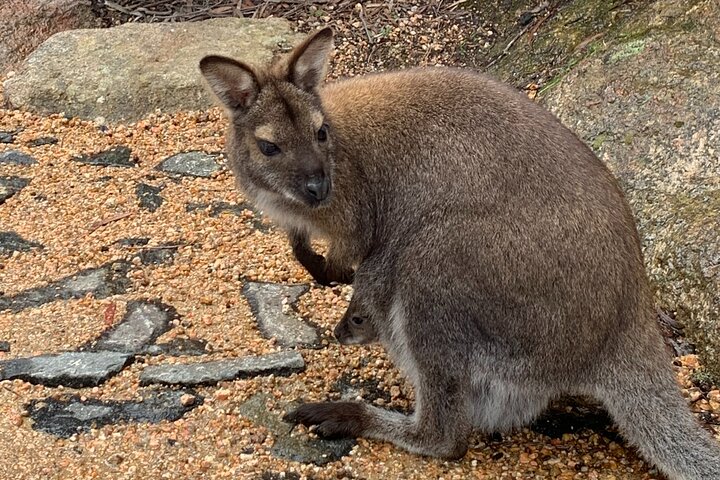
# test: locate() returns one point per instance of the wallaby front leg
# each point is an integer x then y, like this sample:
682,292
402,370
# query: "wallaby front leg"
439,428
323,270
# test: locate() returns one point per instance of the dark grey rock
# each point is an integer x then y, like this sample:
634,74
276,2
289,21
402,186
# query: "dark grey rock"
64,418
208,373
128,71
109,279
7,137
351,387
133,241
288,447
114,157
9,186
193,164
149,196
238,209
286,475
160,255
143,323
70,369
268,302
155,255
4,346
38,142
14,157
12,242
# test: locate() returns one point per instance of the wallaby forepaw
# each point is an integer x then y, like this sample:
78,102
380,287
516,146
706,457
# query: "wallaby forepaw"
330,419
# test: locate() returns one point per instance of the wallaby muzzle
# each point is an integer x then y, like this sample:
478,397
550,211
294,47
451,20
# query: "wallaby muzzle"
317,187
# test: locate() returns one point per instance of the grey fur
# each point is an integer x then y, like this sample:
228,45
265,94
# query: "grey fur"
503,260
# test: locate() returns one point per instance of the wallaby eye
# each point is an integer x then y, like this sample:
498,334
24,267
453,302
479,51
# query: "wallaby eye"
357,320
268,149
322,133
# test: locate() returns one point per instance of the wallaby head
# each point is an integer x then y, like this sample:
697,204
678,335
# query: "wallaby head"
279,142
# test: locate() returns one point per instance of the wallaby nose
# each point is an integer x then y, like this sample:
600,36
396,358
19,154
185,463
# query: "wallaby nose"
318,187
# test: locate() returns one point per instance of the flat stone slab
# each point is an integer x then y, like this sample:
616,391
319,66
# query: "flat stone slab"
14,157
40,141
64,418
110,279
191,164
143,323
114,157
12,242
70,369
271,304
149,196
154,255
4,346
9,186
133,241
208,373
7,137
128,71
298,448
160,255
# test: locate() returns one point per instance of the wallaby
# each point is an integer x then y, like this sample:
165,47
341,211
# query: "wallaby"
504,259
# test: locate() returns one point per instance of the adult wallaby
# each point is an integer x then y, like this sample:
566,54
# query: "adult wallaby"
505,258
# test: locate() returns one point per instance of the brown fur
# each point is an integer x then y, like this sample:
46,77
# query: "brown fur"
503,261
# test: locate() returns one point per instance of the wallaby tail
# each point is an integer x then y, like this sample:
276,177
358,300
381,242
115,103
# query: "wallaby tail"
654,417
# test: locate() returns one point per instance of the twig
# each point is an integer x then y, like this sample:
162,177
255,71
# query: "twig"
509,46
588,41
362,19
157,247
95,225
668,320
538,23
11,391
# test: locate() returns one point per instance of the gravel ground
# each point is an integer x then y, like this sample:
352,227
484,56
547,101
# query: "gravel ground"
62,209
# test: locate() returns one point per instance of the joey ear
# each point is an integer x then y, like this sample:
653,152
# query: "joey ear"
233,82
309,60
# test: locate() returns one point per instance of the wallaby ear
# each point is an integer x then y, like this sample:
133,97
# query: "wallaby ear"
309,60
233,82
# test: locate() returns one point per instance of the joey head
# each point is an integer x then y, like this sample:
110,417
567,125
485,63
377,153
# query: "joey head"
503,261
356,326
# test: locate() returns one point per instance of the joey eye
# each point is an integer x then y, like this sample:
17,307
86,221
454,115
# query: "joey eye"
322,133
357,320
268,149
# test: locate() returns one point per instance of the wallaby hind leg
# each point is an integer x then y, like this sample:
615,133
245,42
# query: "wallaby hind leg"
439,427
654,417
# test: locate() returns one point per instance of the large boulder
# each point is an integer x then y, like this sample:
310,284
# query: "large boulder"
27,23
125,72
648,104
